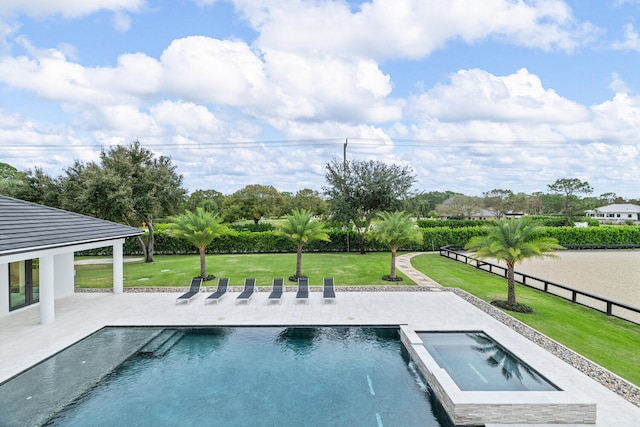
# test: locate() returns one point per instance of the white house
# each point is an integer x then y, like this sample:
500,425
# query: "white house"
616,213
37,245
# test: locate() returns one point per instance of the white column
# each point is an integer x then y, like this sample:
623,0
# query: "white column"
47,289
4,289
118,270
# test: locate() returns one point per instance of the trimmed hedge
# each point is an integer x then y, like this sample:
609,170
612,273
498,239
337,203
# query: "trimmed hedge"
434,238
451,223
603,236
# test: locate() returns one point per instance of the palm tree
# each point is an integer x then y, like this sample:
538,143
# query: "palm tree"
198,228
513,241
395,230
300,228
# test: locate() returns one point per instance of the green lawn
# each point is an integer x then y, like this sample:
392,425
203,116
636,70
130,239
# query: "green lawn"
177,270
610,342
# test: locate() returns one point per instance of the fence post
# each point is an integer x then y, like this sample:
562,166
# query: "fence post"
609,308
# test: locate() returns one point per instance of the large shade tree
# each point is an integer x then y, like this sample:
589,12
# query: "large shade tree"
499,201
300,228
11,180
568,188
209,200
198,228
130,185
459,206
396,229
358,190
253,202
512,241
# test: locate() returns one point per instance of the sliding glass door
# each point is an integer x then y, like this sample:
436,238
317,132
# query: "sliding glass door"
24,283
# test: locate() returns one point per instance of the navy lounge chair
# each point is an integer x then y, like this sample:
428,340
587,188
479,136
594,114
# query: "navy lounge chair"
194,290
303,289
328,292
248,291
223,285
277,290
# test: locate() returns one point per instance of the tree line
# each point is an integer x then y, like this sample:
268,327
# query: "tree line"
131,185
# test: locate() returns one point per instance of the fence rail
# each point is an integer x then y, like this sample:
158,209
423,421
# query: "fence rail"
596,302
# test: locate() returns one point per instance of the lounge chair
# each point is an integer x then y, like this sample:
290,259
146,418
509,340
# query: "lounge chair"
328,292
303,289
277,290
194,290
248,291
223,284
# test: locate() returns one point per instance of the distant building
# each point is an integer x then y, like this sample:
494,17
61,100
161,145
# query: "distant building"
615,214
483,214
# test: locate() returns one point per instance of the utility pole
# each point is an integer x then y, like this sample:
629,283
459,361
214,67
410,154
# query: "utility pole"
344,154
344,171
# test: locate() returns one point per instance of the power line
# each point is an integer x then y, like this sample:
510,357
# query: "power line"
356,142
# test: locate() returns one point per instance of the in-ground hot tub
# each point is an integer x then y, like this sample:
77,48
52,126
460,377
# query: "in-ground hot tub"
479,381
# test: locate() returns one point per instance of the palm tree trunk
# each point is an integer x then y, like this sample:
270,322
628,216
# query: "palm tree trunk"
392,275
203,262
299,263
511,292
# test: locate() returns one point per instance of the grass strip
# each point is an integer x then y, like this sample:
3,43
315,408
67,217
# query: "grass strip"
177,270
610,342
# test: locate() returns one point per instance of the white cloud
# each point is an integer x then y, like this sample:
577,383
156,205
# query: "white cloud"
478,95
618,85
121,21
26,144
411,28
325,88
51,76
618,118
210,70
186,117
631,39
67,8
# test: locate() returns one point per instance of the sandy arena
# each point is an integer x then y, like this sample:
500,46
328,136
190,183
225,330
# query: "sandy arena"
611,274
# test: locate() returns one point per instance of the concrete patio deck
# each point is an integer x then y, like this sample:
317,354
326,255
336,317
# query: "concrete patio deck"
26,342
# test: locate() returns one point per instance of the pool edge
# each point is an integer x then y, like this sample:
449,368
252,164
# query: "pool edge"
566,406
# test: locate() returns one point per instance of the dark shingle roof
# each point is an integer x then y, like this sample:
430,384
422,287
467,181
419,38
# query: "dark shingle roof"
26,226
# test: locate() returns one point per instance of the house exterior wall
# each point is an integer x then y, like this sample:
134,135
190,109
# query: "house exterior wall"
57,274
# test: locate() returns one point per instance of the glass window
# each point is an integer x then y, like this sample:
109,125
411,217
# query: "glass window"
17,285
24,283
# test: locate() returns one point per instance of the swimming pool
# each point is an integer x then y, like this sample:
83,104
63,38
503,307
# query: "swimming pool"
259,376
476,362
467,371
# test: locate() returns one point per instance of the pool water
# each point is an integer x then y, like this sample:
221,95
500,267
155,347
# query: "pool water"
262,376
476,362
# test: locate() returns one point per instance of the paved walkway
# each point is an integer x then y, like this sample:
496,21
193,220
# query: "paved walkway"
403,263
26,342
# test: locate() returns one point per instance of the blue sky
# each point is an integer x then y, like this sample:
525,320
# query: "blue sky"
474,96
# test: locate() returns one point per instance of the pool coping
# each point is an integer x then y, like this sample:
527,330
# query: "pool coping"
565,406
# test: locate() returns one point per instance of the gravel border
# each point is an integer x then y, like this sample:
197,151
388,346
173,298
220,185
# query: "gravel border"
608,379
